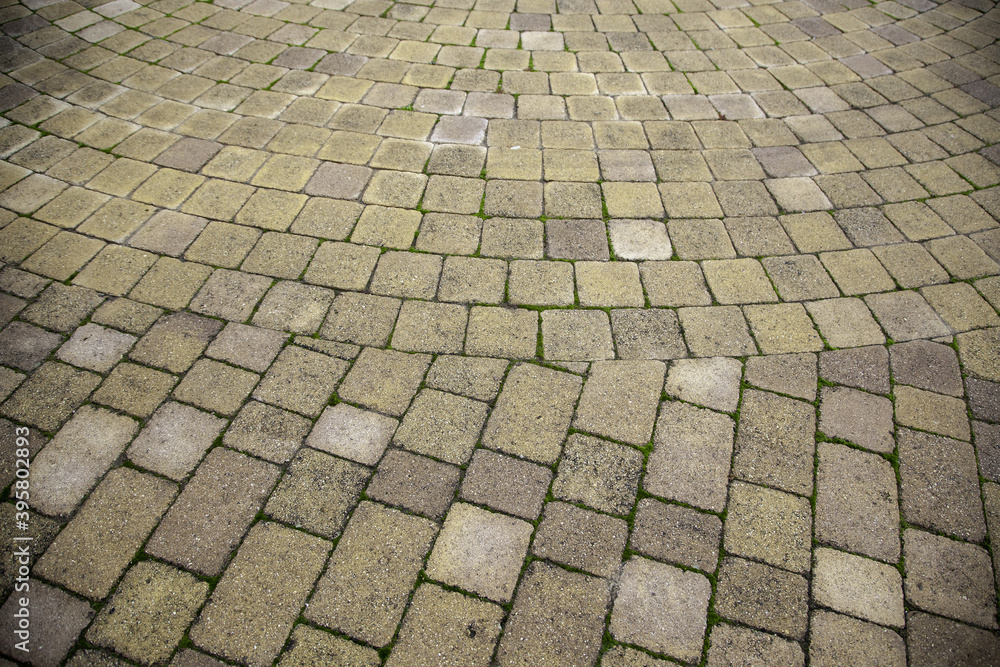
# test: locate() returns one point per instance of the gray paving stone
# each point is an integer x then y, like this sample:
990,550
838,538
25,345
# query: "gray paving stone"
861,418
769,526
50,642
174,440
580,538
600,474
415,483
859,587
733,644
619,400
676,534
713,382
762,597
932,640
775,442
835,639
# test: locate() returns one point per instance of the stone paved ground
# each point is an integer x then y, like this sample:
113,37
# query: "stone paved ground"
514,332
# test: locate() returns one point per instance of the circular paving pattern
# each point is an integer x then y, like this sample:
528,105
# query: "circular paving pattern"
515,332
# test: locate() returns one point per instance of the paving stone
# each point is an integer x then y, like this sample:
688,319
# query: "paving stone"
442,425
984,399
156,597
775,442
937,484
768,526
647,334
762,597
247,618
674,284
931,412
835,639
250,347
267,432
932,640
949,578
372,571
235,487
864,367
976,351
475,377
50,396
926,365
506,484
290,306
175,341
573,605
712,382
906,316
447,626
49,643
859,587
581,539
301,380
93,550
792,374
692,449
352,433
61,307
174,440
861,418
230,295
716,331
619,400
309,645
430,327
676,534
960,306
384,380
24,346
415,483
599,474
363,319
317,492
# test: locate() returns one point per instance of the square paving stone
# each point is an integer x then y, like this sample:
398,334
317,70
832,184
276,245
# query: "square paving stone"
235,486
738,281
170,283
309,645
174,440
857,272
691,456
661,608
984,399
541,283
248,618
363,319
222,244
216,387
49,643
977,350
384,380
62,307
267,432
301,380
317,492
674,284
342,266
512,238
792,374
415,483
162,600
647,334
928,411
368,582
577,239
732,644
230,295
442,425
24,346
600,474
960,306
472,280
475,377
865,368
775,444
845,322
115,270
859,587
949,578
50,395
405,274
783,328
581,539
577,335
135,389
532,413
291,306
430,327
676,534
556,614
856,502
447,626
352,433
606,284
763,597
716,331
250,347
93,550
938,484
640,239
175,341
841,640
861,418
506,484
619,400
769,526
502,332
932,640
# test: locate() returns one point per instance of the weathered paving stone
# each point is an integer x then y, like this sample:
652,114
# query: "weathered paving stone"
556,613
475,377
77,457
265,431
577,335
50,395
861,418
600,474
248,618
647,334
932,640
938,486
317,492
763,597
447,628
384,380
976,350
856,502
792,374
676,534
253,348
215,387
775,442
312,646
366,586
161,600
865,368
835,639
623,656
175,341
95,547
24,346
690,461
734,645
661,608
95,348
769,526
949,578
300,380
480,551
580,538
713,383
532,413
619,400
63,616
213,511
926,365
859,587
506,484
415,483
352,433
442,425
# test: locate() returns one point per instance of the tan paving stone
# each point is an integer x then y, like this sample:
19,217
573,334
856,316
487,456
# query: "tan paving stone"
731,644
835,639
712,382
619,400
430,327
861,418
775,442
762,597
300,380
769,526
577,335
175,341
716,331
932,412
